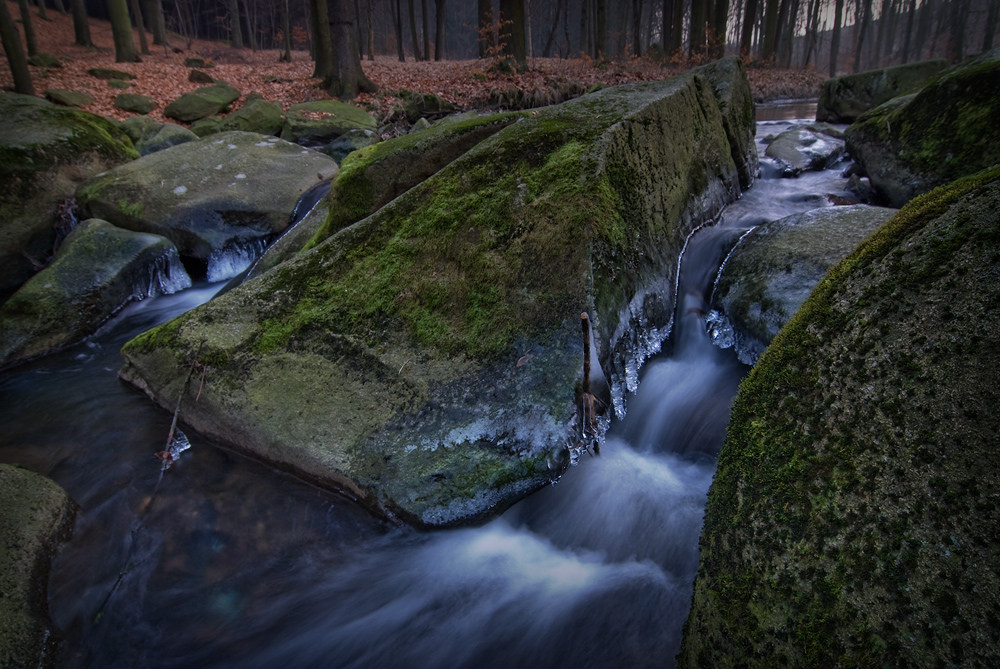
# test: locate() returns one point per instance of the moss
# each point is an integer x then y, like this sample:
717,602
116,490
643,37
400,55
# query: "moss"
131,209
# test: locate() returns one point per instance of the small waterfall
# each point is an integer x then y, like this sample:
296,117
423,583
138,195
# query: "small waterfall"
236,258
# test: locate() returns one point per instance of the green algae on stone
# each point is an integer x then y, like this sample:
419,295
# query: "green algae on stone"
946,130
852,518
426,357
45,151
35,516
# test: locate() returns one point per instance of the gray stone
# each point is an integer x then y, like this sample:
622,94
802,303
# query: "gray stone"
44,60
133,102
322,121
947,130
97,271
426,359
204,127
256,115
199,77
421,124
207,196
798,149
36,515
771,272
107,73
205,101
47,150
68,98
844,99
167,135
118,83
350,141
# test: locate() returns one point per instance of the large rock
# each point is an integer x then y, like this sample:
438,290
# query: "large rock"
947,130
853,518
150,136
322,121
803,148
256,115
35,516
732,90
205,101
772,270
211,195
98,270
373,176
427,358
844,99
45,151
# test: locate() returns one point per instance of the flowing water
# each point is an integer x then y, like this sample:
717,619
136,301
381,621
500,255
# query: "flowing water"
227,563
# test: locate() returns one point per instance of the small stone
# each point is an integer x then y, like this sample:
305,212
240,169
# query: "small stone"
106,73
68,98
199,77
132,102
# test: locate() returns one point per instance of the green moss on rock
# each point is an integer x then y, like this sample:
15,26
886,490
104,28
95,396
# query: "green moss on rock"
852,517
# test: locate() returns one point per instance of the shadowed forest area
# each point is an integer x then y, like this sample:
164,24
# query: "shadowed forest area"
474,55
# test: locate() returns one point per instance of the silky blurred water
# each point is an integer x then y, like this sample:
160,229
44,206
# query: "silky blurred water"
233,564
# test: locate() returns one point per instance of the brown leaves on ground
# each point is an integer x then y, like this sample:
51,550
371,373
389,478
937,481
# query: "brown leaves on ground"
467,83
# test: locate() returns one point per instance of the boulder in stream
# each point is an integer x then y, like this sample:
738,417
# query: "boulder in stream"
803,148
211,197
427,359
853,518
844,99
36,515
948,129
98,270
47,150
774,267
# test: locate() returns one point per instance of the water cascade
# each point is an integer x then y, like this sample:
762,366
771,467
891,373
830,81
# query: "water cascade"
232,564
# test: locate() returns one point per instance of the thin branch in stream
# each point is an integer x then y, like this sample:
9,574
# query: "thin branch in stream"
588,415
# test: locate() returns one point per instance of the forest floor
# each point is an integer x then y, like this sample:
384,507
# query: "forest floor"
163,76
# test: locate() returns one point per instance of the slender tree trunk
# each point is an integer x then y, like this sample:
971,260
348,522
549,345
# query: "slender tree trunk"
15,54
60,7
602,29
789,17
371,30
321,39
397,20
251,24
157,22
835,40
771,12
29,28
286,32
81,25
121,30
637,28
696,46
439,30
956,30
923,28
235,34
678,32
584,28
528,49
513,34
547,51
884,40
991,24
812,33
484,21
668,26
414,41
427,33
347,79
719,27
746,39
862,15
42,14
911,11
139,25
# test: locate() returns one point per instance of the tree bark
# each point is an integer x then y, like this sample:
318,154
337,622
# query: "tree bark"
668,26
956,30
121,30
397,22
60,7
139,25
602,29
414,41
719,27
42,14
991,23
547,51
371,29
512,21
746,38
15,54
235,34
885,34
923,27
696,46
439,30
835,40
584,28
286,31
81,25
29,28
321,39
484,23
861,25
251,26
636,28
910,17
347,79
157,22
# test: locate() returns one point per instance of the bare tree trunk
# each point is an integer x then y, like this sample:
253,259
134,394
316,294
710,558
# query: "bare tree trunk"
696,46
371,30
321,39
235,34
812,33
547,51
347,79
398,25
286,31
251,25
484,23
884,40
439,30
42,14
414,42
512,31
909,30
835,42
790,17
991,23
746,39
719,27
956,30
602,29
637,28
157,22
923,27
427,33
81,25
668,26
862,17
584,28
15,54
137,12
60,7
771,11
29,28
121,29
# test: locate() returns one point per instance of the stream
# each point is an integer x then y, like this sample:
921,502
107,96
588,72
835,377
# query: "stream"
230,563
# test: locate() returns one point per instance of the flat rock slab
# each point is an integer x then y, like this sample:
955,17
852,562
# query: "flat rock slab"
106,73
323,121
35,516
203,102
772,270
210,195
133,102
68,98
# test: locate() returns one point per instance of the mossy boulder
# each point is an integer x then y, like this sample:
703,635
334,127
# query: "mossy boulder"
96,272
322,121
205,101
853,518
36,515
424,105
257,115
801,148
774,267
68,98
373,176
150,136
108,74
732,90
44,60
199,77
133,102
427,358
119,84
947,130
210,195
45,151
350,141
844,99
204,127
292,241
